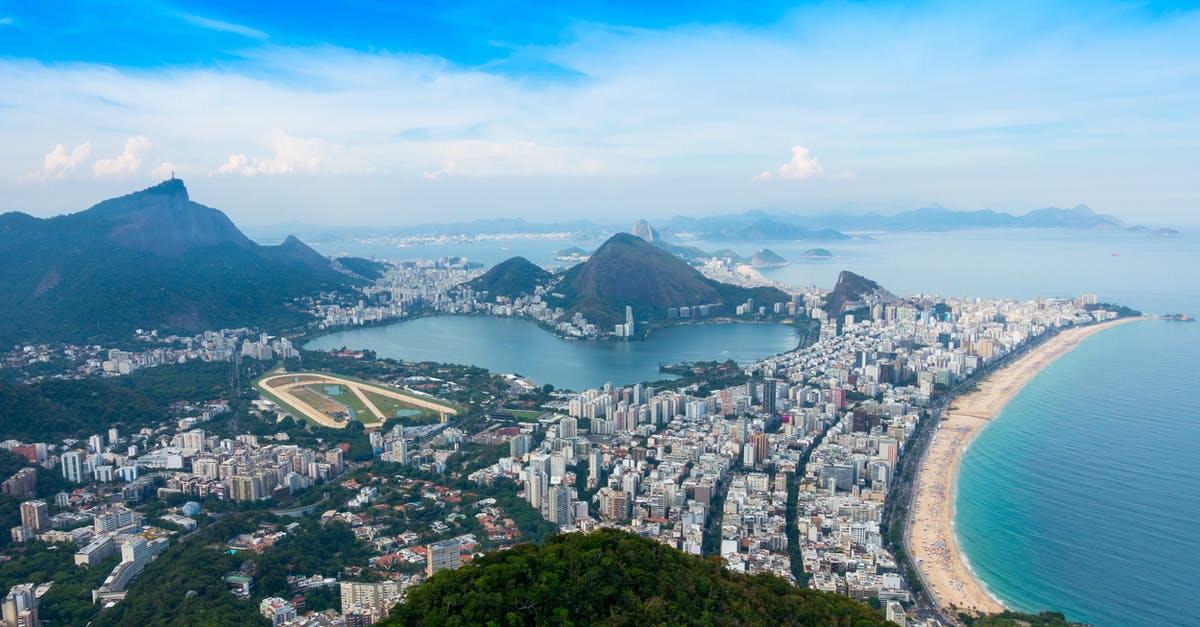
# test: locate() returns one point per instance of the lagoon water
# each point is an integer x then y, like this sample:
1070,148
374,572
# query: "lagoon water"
1083,495
519,346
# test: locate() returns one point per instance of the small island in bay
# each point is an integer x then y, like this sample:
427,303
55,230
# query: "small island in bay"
766,258
573,254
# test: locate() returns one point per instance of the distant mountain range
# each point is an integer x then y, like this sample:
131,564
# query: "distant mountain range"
152,259
758,225
625,271
754,225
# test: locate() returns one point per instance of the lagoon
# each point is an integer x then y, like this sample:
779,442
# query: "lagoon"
518,346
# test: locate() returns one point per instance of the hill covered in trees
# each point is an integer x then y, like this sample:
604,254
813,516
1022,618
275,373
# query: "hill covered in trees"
513,277
152,259
629,271
610,577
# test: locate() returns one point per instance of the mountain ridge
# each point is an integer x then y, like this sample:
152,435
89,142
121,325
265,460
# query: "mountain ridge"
151,259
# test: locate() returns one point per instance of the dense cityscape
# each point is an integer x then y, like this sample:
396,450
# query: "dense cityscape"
792,472
788,313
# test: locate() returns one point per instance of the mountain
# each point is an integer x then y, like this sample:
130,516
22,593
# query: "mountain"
628,270
368,269
766,258
749,226
1077,217
152,259
642,229
853,292
510,278
816,253
610,577
761,225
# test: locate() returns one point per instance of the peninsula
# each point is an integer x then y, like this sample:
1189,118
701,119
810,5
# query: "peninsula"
930,533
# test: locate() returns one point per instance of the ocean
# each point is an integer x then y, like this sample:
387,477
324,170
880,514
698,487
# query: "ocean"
1083,494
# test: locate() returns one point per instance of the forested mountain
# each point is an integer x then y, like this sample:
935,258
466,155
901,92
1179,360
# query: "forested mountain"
627,270
152,259
513,277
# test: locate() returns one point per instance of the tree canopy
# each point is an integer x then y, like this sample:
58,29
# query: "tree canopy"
615,578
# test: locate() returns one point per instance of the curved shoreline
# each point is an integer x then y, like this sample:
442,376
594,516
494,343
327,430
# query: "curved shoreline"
930,534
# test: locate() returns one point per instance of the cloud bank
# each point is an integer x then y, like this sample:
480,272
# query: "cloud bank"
1026,112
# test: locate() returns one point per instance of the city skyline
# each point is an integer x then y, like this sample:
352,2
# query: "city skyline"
381,116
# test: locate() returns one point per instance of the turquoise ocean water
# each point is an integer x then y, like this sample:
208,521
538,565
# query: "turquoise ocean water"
1083,495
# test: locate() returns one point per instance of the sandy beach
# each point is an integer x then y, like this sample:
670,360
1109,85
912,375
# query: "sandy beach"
929,533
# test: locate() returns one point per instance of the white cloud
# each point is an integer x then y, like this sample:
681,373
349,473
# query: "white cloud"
164,170
803,165
291,154
236,164
685,112
125,164
447,169
57,163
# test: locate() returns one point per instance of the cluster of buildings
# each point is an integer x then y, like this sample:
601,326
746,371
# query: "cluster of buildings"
86,361
712,473
404,287
242,469
438,286
114,530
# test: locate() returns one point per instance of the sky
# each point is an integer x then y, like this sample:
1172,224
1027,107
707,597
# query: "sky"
391,113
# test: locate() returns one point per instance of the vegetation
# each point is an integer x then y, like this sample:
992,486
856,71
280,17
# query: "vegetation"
615,578
153,260
628,271
81,407
365,268
1122,310
510,278
69,601
706,375
766,257
1017,619
184,586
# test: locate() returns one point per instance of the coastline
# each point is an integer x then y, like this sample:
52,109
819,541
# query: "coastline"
930,534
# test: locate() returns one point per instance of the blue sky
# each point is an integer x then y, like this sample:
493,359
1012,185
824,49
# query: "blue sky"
390,113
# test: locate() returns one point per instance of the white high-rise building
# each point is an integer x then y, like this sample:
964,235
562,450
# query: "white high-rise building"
72,466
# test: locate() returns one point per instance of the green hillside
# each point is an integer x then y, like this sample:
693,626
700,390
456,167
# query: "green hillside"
610,577
152,259
510,278
627,270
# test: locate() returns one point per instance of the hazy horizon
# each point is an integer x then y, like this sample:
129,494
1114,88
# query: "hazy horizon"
389,116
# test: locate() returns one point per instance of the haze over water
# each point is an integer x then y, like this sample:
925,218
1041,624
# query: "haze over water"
1153,274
